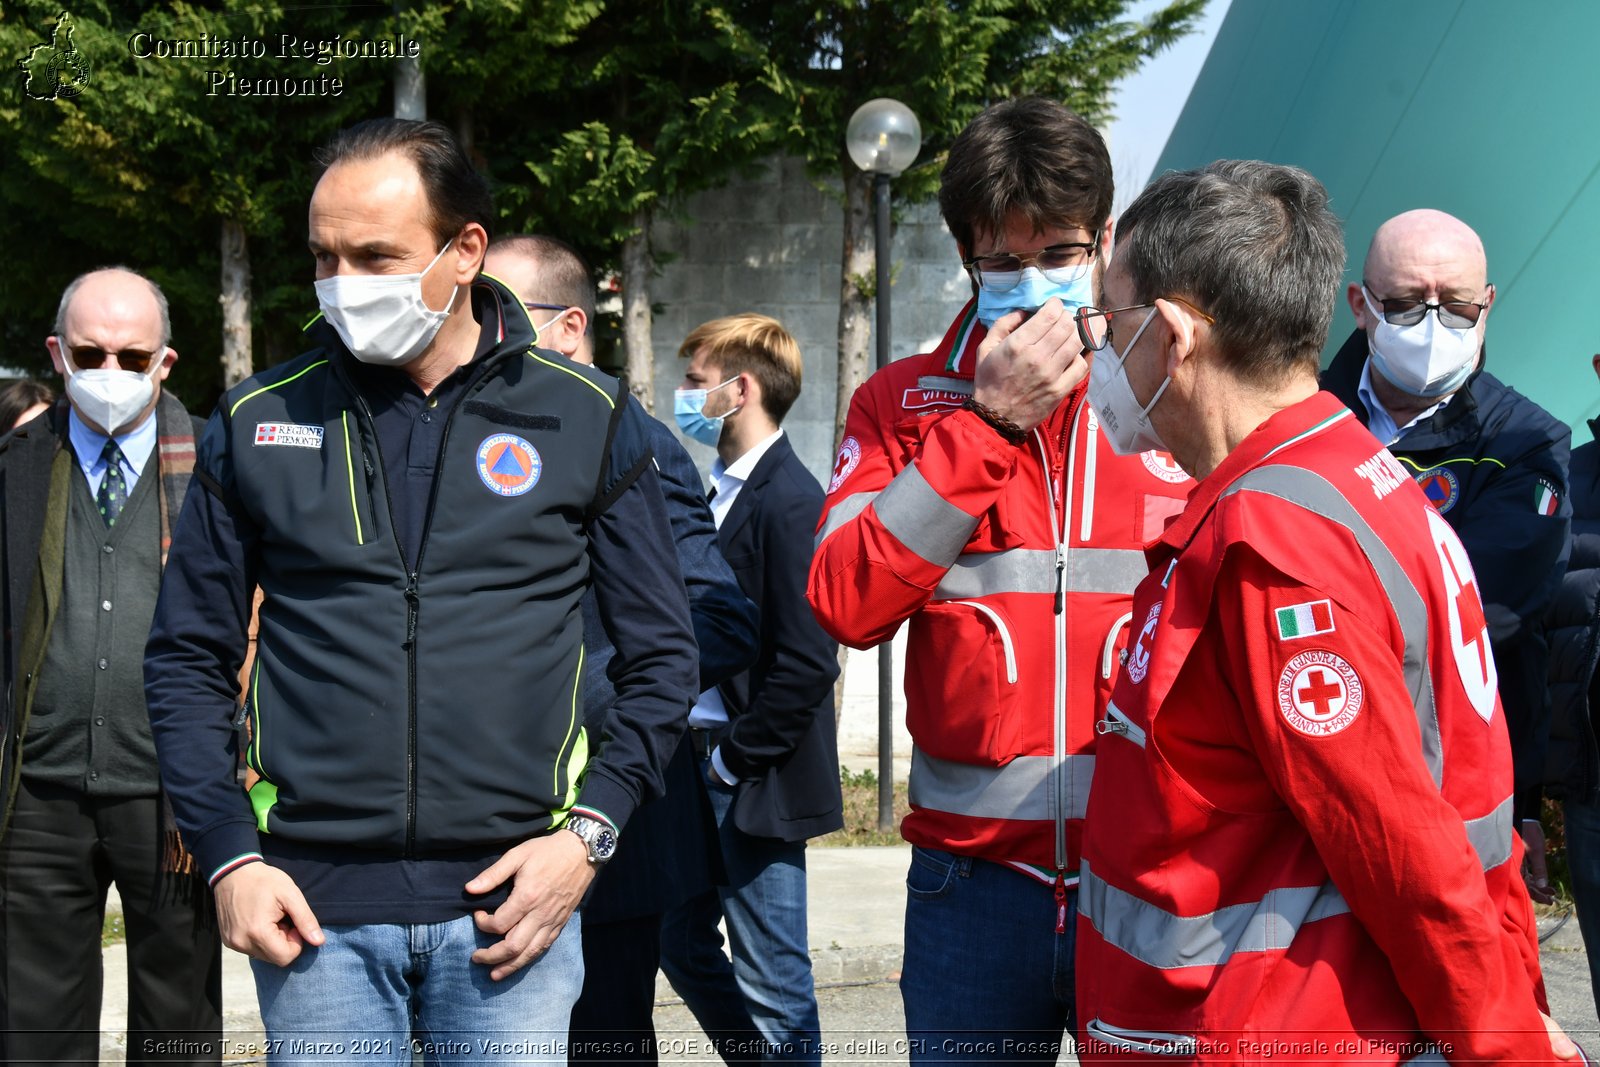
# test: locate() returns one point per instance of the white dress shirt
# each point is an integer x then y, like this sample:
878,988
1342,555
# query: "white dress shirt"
136,444
709,713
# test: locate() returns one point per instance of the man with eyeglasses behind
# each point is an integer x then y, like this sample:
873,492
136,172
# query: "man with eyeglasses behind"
89,493
977,497
1490,460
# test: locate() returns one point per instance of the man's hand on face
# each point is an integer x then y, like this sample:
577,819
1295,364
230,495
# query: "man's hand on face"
262,913
1027,367
549,876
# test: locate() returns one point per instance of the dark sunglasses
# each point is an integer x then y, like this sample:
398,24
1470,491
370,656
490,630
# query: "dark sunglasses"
88,357
1408,311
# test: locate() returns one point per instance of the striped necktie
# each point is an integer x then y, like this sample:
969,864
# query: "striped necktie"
113,494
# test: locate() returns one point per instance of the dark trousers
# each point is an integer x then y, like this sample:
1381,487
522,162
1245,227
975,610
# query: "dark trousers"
611,1023
61,854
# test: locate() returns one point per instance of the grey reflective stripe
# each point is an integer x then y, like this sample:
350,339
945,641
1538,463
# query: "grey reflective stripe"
1491,836
1316,494
1033,570
843,512
945,385
1019,790
922,520
1158,938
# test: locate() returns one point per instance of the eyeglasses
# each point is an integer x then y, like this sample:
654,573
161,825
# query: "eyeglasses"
533,305
1060,263
88,357
1406,311
1094,324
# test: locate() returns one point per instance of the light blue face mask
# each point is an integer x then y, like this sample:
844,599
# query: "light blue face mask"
1031,292
688,409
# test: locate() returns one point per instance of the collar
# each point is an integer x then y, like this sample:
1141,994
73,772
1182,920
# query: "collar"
136,444
1369,399
738,472
1309,418
959,349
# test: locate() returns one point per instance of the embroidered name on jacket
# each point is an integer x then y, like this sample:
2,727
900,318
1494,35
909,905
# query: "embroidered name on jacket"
290,434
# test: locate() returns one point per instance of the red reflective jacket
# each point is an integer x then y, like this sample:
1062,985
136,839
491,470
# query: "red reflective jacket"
1300,846
1014,565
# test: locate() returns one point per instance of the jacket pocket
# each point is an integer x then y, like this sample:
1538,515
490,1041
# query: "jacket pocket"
1148,1042
961,683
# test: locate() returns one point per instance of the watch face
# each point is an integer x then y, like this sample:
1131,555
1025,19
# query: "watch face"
603,845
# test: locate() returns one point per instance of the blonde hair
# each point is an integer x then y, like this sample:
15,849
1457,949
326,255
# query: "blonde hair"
756,345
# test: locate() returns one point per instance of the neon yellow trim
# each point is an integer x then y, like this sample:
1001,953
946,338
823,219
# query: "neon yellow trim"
568,370
576,765
350,469
262,796
255,710
572,725
267,388
310,322
1445,463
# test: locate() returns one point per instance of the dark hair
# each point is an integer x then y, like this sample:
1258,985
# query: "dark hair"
1029,156
1253,244
564,275
457,193
18,397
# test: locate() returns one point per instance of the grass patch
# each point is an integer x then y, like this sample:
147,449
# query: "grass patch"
860,790
112,931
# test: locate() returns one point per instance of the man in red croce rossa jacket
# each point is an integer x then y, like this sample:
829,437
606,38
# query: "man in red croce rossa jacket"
975,495
1300,846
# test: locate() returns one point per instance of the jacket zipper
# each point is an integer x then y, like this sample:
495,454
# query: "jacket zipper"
1059,511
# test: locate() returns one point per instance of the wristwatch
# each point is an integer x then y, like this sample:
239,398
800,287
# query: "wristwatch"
599,838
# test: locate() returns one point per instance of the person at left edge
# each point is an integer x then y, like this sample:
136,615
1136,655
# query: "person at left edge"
423,499
88,493
667,857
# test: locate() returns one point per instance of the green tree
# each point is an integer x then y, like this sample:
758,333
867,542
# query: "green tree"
665,98
946,62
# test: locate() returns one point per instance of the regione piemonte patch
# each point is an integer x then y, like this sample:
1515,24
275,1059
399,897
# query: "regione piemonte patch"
509,465
289,434
1319,693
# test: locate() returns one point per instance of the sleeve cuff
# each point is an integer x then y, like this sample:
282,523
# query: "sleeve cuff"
233,865
226,848
605,798
721,768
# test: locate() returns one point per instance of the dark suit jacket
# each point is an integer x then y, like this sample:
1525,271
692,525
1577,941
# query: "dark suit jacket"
664,854
780,741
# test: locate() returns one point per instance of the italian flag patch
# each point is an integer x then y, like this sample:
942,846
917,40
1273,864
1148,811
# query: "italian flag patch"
1305,620
1545,499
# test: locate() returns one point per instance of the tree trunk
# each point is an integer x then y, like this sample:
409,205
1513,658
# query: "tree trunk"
855,330
855,295
235,299
638,264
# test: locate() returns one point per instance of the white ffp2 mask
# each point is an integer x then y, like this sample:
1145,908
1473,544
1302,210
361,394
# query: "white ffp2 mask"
382,318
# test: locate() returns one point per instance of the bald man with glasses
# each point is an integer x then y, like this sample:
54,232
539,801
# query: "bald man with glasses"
1490,460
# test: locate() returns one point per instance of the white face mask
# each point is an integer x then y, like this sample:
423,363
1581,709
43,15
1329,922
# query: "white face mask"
111,399
1127,424
1427,360
382,318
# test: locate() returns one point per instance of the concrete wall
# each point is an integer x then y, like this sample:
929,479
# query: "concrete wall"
772,244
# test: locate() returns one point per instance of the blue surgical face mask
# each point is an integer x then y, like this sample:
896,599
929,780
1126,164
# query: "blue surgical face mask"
1032,291
688,409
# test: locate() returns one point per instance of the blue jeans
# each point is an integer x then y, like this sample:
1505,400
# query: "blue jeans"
1582,821
360,997
986,978
769,978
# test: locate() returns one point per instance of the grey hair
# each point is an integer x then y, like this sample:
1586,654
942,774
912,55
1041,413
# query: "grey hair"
72,290
1254,245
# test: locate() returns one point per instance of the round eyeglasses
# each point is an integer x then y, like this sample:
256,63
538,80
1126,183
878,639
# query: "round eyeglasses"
1060,263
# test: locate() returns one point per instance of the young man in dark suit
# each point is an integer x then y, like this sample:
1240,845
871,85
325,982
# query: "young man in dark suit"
766,737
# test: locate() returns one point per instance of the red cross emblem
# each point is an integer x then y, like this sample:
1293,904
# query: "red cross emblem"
1319,693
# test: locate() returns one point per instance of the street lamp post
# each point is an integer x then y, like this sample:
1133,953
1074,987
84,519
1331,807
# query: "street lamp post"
883,139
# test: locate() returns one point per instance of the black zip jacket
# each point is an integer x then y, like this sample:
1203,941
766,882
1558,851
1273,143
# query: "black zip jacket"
1573,768
417,709
1486,460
